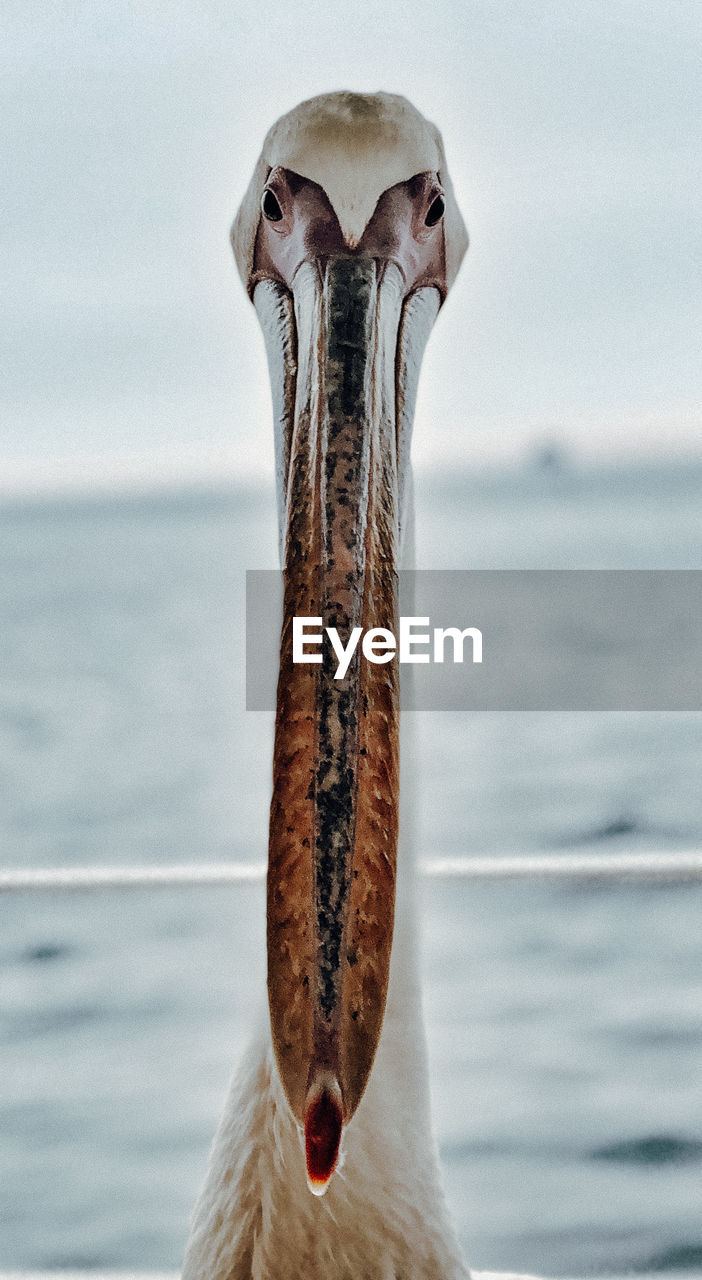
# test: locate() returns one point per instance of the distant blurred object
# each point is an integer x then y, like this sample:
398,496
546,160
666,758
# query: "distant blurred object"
548,456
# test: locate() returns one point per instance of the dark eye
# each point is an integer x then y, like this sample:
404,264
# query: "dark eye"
270,207
435,212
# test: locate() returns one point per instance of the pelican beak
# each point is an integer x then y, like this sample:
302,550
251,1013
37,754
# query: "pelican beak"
335,350
345,329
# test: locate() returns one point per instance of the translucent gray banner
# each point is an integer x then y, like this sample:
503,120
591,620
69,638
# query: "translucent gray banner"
548,640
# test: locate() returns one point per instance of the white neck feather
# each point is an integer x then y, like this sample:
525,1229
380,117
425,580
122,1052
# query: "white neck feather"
384,1214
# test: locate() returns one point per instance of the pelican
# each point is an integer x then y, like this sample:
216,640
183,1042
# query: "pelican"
325,1163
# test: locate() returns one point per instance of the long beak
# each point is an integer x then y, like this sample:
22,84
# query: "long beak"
343,441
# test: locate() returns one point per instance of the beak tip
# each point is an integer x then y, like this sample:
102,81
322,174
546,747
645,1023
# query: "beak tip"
324,1122
318,1189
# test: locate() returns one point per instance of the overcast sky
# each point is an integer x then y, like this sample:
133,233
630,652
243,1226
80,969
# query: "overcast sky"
130,129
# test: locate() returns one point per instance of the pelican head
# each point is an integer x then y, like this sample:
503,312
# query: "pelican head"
347,240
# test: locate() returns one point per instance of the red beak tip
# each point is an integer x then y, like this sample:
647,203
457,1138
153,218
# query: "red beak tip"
323,1125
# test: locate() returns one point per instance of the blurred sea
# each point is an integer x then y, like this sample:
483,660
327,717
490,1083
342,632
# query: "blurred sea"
565,1022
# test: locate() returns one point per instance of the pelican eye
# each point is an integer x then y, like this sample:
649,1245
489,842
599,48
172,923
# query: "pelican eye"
435,212
270,207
